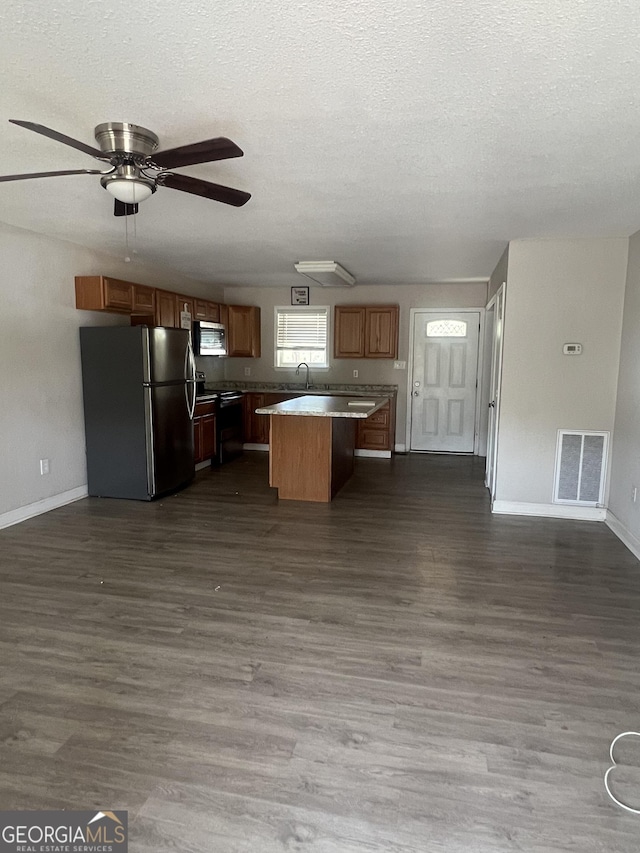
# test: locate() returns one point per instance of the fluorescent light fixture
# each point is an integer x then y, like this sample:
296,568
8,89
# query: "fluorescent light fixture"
326,273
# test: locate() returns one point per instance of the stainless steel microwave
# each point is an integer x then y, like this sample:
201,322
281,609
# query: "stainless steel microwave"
209,338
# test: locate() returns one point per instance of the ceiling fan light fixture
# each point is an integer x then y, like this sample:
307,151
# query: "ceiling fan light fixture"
326,273
129,190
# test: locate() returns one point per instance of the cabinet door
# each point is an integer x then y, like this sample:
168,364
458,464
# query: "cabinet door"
243,331
197,440
165,308
256,427
348,333
144,299
381,339
370,438
377,432
208,436
200,309
213,312
118,295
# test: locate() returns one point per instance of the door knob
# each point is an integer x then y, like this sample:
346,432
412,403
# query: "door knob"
492,404
416,393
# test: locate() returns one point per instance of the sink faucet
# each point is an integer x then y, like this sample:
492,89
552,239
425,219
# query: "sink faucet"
304,364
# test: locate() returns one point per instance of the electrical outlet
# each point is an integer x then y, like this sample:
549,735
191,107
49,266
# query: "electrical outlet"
399,365
44,467
355,374
247,371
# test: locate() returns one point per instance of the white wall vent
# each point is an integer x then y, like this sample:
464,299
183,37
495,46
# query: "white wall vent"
581,462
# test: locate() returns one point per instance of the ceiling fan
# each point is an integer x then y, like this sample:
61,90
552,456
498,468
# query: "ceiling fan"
137,170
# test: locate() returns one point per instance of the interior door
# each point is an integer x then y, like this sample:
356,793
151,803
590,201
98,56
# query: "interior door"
494,389
444,381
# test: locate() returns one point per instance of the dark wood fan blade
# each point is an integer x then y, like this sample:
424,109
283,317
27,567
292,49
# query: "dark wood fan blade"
121,208
50,174
215,192
60,137
200,152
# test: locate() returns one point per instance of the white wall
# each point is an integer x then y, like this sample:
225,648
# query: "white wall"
499,275
374,371
558,291
625,466
40,390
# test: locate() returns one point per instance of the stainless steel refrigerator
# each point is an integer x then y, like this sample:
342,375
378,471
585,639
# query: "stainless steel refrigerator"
139,388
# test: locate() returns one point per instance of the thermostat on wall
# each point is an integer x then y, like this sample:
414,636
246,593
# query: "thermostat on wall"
572,349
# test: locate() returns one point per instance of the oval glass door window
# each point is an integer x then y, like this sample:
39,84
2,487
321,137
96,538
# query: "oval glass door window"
447,329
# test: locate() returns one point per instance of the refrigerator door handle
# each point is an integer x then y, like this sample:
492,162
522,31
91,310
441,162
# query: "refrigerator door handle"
190,377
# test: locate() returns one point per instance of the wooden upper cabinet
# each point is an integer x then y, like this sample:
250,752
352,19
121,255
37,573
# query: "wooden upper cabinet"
381,331
200,309
144,299
243,331
166,303
205,310
100,293
348,331
365,331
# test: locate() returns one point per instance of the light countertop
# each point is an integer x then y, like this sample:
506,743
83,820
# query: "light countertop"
325,407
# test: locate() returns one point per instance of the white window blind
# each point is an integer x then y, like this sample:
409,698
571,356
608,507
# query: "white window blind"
301,335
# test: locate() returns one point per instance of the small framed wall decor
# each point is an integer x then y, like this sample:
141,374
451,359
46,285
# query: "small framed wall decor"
299,295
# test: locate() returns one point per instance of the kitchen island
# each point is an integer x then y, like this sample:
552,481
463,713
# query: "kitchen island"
311,444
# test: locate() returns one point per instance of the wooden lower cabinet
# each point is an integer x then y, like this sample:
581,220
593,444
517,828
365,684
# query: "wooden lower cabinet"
374,433
204,431
256,427
378,431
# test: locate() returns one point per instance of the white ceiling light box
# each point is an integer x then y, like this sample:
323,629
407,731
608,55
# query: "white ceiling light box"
326,273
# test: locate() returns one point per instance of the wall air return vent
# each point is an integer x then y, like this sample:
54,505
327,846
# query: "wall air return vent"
581,462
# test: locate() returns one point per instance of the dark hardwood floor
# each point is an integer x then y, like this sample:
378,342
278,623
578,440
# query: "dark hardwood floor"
396,671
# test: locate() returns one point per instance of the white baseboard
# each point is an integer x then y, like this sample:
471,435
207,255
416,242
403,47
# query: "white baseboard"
15,516
376,454
577,513
401,448
201,465
255,446
624,535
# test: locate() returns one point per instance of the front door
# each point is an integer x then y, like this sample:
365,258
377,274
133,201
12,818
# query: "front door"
444,380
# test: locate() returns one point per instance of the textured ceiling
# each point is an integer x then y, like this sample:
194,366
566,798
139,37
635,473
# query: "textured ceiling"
408,141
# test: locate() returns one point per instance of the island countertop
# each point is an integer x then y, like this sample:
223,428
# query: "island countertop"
326,407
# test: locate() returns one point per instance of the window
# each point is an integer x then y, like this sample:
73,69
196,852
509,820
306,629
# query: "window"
447,329
301,335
